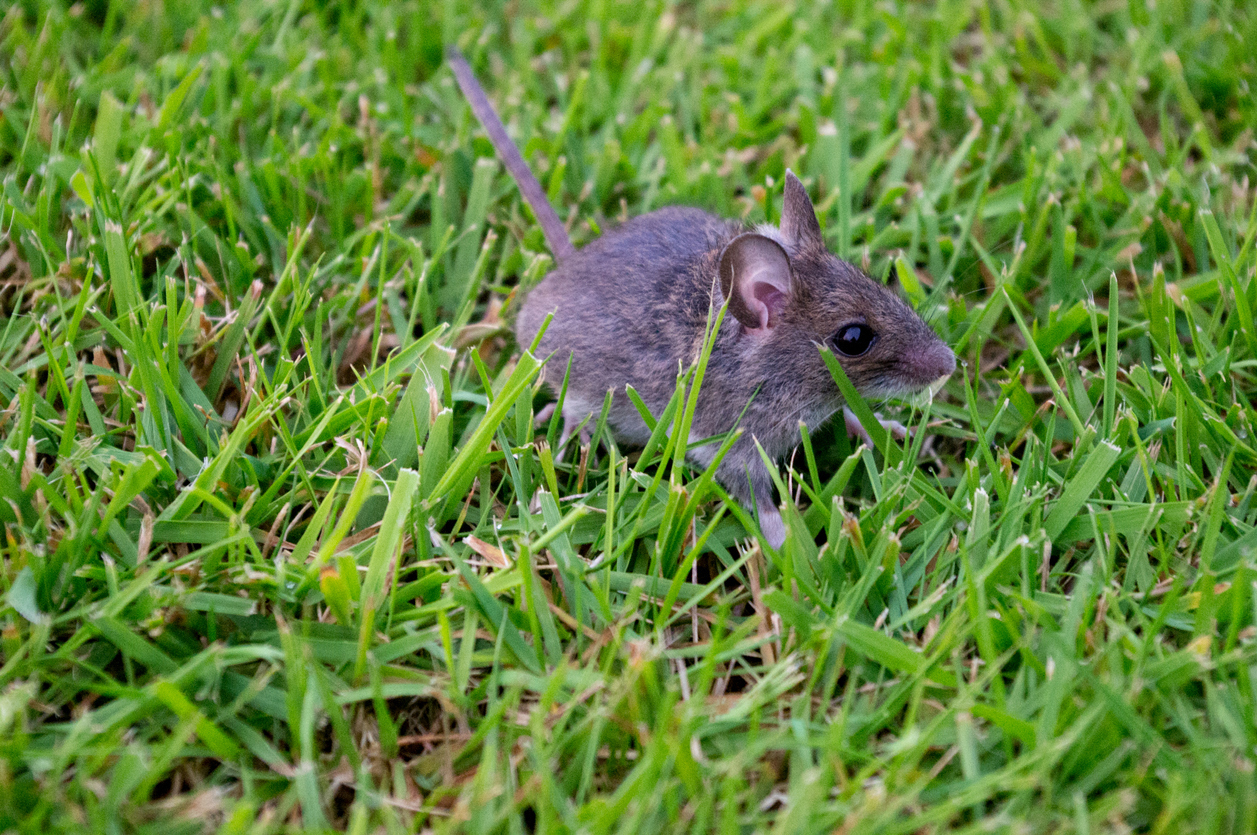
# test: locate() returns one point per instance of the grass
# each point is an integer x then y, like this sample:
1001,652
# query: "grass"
283,551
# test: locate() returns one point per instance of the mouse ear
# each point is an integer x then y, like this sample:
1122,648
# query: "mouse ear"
798,219
755,277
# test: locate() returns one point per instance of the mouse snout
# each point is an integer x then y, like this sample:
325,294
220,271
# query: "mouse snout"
933,362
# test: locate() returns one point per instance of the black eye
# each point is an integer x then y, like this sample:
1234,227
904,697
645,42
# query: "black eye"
855,339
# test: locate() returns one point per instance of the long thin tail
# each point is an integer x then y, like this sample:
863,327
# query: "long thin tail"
556,235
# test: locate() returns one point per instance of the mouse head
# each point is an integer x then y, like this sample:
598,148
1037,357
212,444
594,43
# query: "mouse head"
788,294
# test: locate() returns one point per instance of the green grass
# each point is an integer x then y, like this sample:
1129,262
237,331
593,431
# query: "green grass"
255,257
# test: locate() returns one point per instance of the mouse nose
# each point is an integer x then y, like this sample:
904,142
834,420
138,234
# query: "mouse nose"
934,362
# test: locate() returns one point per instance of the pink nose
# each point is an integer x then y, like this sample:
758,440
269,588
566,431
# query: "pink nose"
936,360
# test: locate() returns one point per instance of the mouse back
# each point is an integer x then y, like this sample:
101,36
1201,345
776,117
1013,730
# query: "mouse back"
632,305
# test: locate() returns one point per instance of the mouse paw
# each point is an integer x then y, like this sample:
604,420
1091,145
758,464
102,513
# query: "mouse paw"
542,417
772,526
856,430
573,425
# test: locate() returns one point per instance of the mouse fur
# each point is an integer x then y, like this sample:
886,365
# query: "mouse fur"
631,309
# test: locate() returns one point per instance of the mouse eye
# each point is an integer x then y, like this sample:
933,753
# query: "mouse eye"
855,339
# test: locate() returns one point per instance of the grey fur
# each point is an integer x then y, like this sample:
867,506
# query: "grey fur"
632,308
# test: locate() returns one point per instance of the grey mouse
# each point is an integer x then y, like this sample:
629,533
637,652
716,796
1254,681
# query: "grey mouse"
631,309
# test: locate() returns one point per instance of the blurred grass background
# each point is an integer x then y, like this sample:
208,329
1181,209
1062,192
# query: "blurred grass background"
283,551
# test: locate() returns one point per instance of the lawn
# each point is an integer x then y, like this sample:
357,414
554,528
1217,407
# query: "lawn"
284,551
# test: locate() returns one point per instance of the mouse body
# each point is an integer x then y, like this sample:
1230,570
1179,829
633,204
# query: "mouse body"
632,308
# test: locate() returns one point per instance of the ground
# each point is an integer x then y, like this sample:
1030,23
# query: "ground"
284,551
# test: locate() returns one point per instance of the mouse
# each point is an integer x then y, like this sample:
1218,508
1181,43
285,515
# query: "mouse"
633,306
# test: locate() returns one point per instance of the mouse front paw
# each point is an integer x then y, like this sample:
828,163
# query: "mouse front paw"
856,430
772,526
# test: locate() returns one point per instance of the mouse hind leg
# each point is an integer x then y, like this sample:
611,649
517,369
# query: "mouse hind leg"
575,420
543,417
574,423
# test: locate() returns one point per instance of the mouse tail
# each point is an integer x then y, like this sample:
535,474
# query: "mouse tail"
556,234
